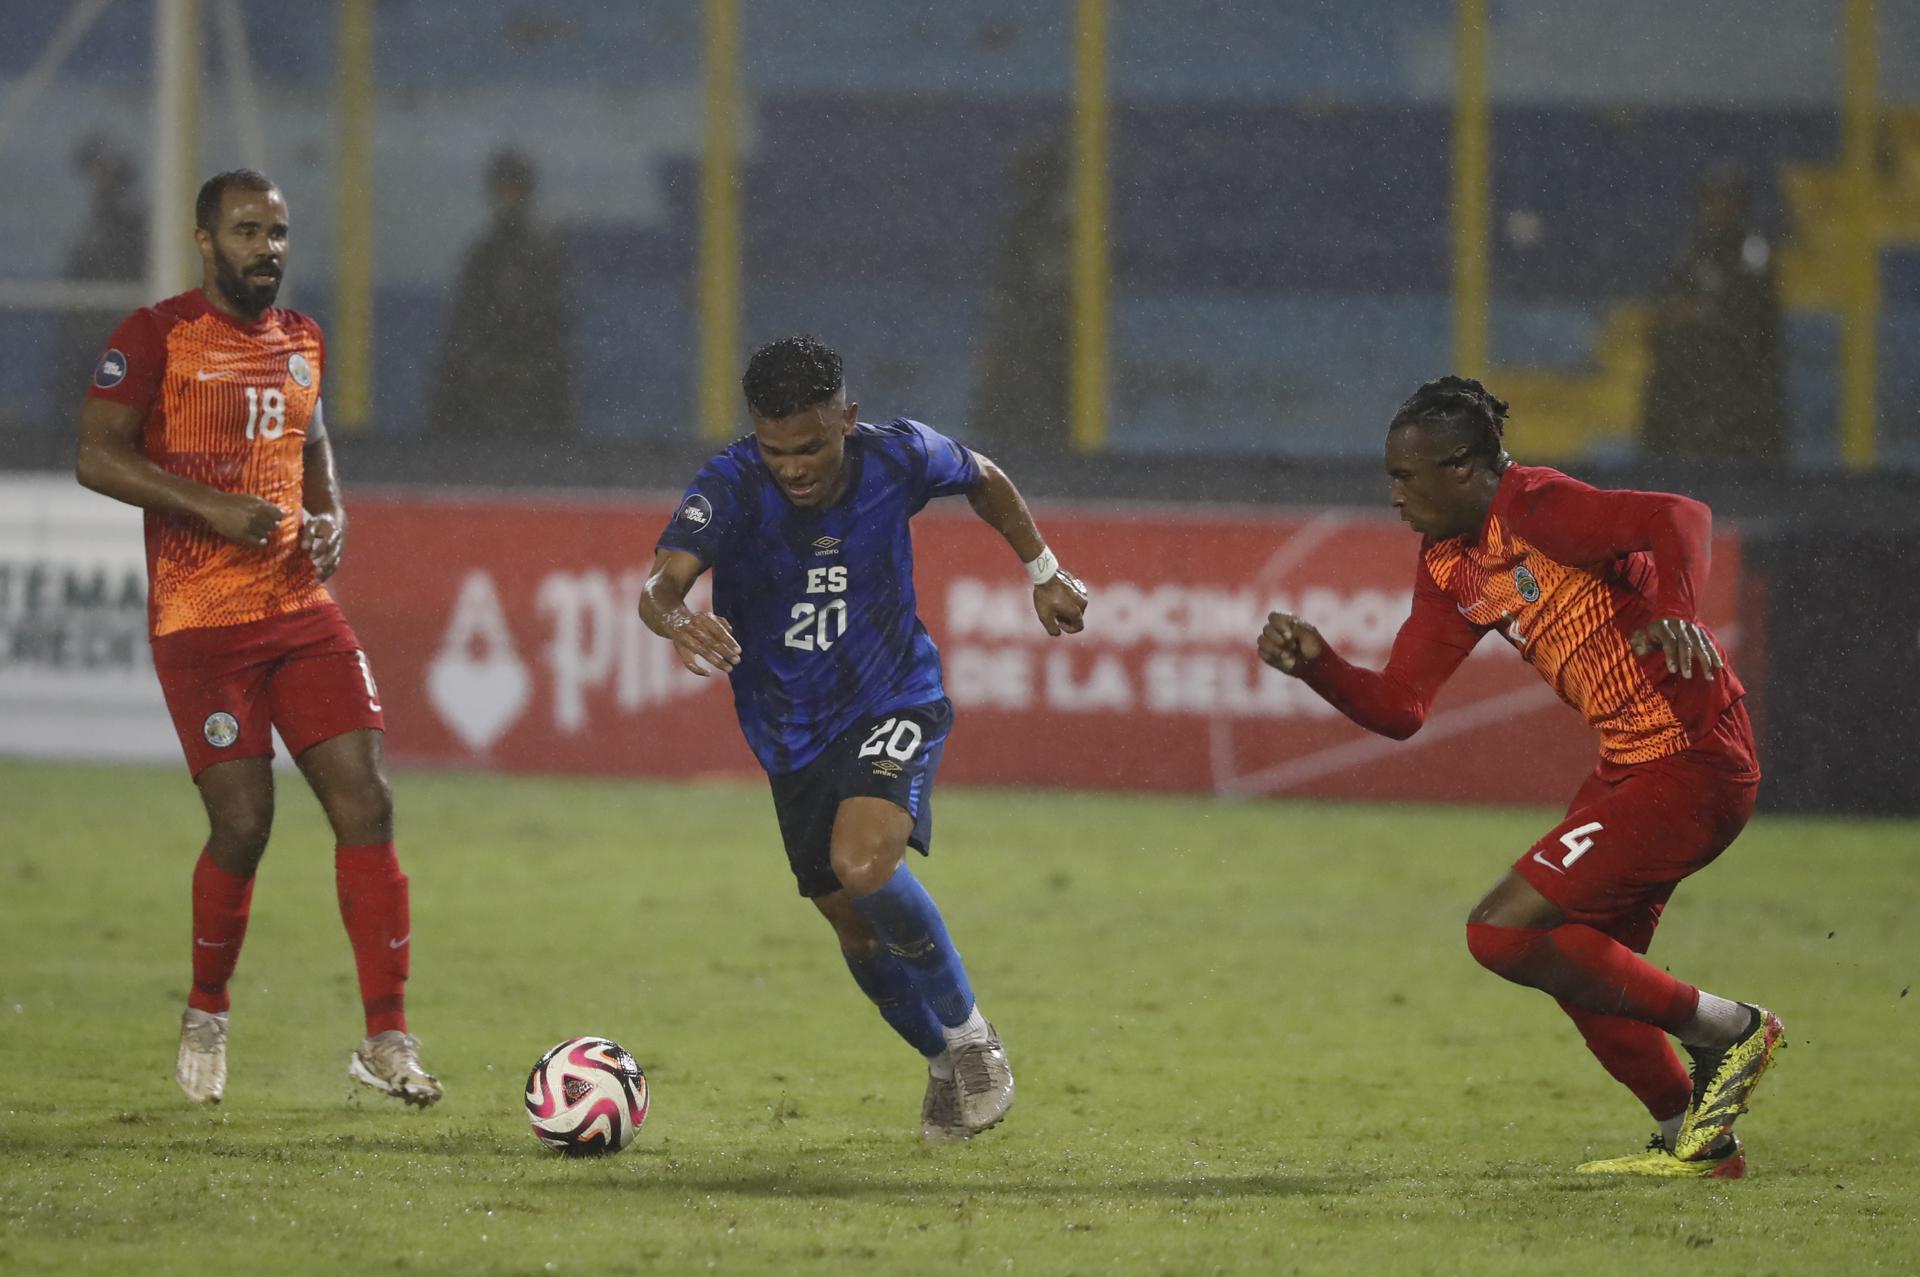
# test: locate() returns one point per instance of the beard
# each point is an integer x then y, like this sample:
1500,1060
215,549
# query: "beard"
244,293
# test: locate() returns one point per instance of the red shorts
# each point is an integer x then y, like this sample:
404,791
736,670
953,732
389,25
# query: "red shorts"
303,673
1634,831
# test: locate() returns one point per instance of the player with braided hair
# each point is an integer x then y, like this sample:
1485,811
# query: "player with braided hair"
1464,406
1597,590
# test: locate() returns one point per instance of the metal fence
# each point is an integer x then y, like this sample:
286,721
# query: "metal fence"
1140,227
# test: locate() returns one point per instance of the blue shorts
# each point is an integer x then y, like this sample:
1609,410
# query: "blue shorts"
892,756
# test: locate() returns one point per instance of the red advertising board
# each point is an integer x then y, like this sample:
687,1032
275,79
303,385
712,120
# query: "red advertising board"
504,632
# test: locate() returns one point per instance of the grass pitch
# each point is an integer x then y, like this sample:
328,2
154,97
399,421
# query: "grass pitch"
1248,1039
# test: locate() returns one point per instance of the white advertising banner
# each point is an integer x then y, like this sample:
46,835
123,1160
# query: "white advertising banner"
76,674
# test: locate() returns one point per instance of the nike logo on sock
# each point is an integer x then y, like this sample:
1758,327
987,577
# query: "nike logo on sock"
395,944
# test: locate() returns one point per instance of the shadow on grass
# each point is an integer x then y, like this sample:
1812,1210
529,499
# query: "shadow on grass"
844,1181
849,1184
202,1133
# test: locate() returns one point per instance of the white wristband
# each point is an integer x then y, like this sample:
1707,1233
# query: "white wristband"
1043,568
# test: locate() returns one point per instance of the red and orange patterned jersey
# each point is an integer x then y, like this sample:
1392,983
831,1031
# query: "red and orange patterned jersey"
228,405
1565,572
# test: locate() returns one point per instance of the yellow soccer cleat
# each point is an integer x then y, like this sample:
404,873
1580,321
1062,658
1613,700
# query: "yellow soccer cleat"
1723,1082
1657,1162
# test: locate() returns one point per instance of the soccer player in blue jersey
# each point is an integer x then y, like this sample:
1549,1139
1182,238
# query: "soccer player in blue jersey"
837,684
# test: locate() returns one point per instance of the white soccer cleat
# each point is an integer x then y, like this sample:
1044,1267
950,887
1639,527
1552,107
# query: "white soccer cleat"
940,1111
201,1069
390,1062
984,1080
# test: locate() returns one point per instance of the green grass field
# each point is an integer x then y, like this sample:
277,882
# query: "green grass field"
1248,1039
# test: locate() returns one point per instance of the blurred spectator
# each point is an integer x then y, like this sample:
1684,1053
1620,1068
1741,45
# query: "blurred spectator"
507,367
111,248
1022,388
1716,385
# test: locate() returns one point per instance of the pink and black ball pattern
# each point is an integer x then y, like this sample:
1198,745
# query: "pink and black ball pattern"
586,1097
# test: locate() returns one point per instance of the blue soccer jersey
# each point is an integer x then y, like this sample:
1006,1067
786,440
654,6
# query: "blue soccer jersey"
821,601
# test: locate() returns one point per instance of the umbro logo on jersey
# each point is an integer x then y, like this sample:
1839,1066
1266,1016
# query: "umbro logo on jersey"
826,545
111,371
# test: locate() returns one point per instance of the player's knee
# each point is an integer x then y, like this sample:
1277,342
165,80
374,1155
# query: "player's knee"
863,865
1483,943
856,937
1505,951
1515,903
238,832
850,926
363,813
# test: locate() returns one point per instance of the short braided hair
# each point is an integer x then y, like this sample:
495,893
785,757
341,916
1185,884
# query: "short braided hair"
1461,405
790,375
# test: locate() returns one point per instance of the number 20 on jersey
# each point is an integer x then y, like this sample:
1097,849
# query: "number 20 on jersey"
817,626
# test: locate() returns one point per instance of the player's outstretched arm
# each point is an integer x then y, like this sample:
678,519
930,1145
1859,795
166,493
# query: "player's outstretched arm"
1393,702
696,636
1059,597
110,462
324,535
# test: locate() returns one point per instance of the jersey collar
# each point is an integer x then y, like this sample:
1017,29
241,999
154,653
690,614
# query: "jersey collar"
198,298
1502,497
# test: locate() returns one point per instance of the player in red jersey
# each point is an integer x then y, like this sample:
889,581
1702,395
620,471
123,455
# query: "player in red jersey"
205,412
1597,591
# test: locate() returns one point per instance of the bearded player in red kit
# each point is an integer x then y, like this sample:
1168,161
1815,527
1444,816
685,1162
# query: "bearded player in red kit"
205,412
1597,591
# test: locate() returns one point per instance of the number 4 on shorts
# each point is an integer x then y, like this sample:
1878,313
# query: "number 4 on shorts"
1577,844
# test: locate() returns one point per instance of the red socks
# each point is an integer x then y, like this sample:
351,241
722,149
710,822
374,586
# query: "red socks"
373,904
1586,969
1639,1057
220,904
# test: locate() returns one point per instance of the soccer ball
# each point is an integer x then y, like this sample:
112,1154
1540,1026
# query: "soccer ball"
586,1096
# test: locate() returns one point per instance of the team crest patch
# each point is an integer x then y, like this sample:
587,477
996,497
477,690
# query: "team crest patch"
300,370
222,729
697,511
111,370
1525,582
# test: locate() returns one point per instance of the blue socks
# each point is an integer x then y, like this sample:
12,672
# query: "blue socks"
885,979
909,923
